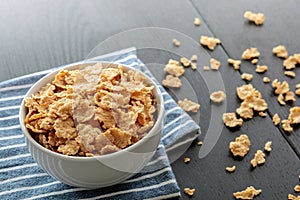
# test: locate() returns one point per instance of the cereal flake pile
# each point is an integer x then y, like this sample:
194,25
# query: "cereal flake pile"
91,111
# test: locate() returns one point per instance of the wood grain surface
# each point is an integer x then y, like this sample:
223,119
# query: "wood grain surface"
39,34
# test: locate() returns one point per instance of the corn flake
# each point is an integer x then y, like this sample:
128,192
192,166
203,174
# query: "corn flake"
234,63
210,42
189,191
230,120
206,68
241,145
290,96
294,115
280,51
297,92
231,169
268,146
293,197
280,88
244,90
215,64
186,160
176,42
257,18
291,61
174,68
297,188
254,61
188,105
262,114
194,58
261,68
276,119
248,193
266,79
290,74
193,66
245,111
218,96
280,99
259,158
197,21
250,53
286,125
172,81
185,62
247,76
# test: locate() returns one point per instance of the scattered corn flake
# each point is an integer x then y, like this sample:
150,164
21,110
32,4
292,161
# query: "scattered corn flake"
176,42
293,197
291,61
262,114
297,86
280,99
185,62
297,92
280,88
256,102
231,169
173,67
206,68
186,160
290,74
259,158
193,66
250,53
266,79
194,58
268,146
234,63
294,115
189,191
276,119
290,96
261,68
200,143
247,76
210,42
241,145
286,125
257,18
230,120
245,111
215,64
197,21
244,90
188,105
280,51
254,61
297,188
217,96
172,81
248,193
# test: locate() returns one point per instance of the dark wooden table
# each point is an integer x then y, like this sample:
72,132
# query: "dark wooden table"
37,35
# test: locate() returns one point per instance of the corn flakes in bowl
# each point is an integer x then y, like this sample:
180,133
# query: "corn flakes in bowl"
92,124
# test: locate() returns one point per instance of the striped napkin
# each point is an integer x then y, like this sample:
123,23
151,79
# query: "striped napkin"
21,178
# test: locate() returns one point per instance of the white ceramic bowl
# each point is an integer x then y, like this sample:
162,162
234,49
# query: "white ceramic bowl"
97,171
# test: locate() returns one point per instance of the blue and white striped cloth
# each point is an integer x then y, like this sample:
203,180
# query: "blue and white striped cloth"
21,178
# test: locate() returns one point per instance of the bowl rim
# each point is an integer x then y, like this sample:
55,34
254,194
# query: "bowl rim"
73,66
